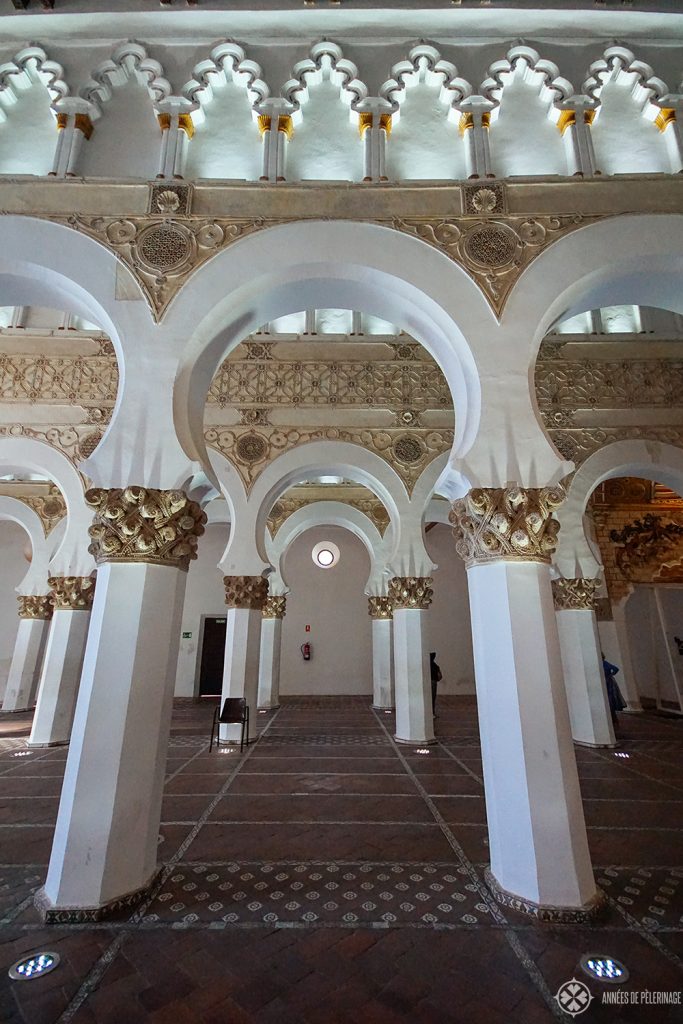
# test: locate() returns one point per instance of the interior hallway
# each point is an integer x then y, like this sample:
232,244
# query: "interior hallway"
330,876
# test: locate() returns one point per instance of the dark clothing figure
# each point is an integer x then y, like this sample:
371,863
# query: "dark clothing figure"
616,701
436,676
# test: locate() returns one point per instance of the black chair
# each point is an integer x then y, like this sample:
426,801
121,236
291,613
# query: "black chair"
235,712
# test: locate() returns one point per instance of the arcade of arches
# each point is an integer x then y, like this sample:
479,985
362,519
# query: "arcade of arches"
299,385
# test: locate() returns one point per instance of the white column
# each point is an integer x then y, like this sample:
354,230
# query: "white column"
668,124
74,127
474,130
374,127
410,598
540,861
245,597
380,611
584,679
104,851
276,127
35,613
175,120
271,646
574,126
63,661
626,680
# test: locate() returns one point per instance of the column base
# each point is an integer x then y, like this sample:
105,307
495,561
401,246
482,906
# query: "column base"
631,711
52,914
596,746
382,707
267,707
17,711
415,743
57,743
544,911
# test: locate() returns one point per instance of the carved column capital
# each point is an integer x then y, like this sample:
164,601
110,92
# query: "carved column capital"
245,591
411,592
35,606
73,593
574,594
380,608
506,523
274,606
144,524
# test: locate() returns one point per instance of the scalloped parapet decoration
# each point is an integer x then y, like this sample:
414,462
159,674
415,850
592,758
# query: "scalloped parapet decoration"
28,66
425,63
620,65
128,60
226,60
535,70
325,56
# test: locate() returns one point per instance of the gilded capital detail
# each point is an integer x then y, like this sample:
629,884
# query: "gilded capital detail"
380,608
35,606
411,592
506,523
72,593
246,591
143,524
574,594
274,606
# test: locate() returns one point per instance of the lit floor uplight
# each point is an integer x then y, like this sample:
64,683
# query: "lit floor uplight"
22,753
604,968
620,753
422,750
34,966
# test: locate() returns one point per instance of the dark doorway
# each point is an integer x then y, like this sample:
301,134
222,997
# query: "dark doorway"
213,656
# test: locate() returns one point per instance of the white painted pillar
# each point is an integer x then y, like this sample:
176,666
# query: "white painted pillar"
474,130
540,861
584,679
245,597
277,128
574,125
74,127
177,128
104,851
380,611
72,597
271,646
374,127
626,680
410,598
35,613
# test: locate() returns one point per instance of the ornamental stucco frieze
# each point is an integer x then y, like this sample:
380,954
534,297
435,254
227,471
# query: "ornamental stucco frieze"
614,384
35,606
509,523
410,592
274,607
144,524
574,594
246,591
72,593
380,608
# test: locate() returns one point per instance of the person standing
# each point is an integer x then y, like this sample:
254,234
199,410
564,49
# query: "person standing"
616,701
436,677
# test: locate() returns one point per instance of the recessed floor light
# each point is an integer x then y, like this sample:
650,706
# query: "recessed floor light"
22,753
422,750
604,968
34,966
620,753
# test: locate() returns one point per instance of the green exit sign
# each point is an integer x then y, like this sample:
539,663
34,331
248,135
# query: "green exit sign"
187,636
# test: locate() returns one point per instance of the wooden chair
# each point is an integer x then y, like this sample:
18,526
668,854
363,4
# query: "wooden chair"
235,712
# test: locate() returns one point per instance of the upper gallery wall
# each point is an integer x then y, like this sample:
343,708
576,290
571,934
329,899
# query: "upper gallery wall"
135,87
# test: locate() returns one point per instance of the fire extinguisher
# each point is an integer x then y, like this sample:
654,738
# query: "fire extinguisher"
306,651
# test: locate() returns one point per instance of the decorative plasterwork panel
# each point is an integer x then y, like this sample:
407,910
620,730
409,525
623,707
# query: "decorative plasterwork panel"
82,380
638,547
76,442
272,382
614,384
286,506
162,252
250,450
576,444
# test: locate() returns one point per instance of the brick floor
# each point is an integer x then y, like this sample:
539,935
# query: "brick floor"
319,887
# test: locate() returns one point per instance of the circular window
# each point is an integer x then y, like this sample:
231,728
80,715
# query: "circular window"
325,554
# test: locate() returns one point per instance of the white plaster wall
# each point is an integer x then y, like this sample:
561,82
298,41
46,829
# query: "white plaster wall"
333,602
28,136
640,622
228,143
127,139
624,141
654,655
423,143
325,146
13,540
523,139
448,620
204,595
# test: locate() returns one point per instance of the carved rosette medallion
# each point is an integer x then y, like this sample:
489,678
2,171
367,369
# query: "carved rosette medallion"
274,606
574,594
143,524
72,593
380,608
507,523
35,606
245,591
411,592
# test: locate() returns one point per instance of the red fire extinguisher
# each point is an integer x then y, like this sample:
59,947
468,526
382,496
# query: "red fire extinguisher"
306,651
